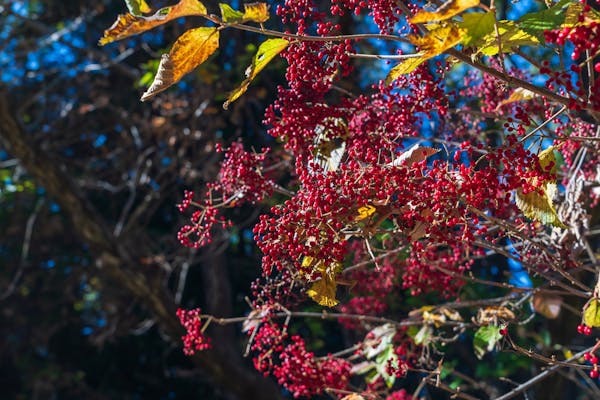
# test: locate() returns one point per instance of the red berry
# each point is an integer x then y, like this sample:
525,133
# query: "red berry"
580,328
594,360
503,331
594,373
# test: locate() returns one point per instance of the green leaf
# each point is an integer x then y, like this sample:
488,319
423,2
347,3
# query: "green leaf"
266,52
485,339
591,313
510,36
190,50
230,15
138,7
536,23
477,25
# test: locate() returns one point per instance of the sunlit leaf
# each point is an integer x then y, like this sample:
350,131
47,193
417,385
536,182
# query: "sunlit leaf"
256,12
405,67
190,50
266,52
323,291
138,7
128,24
510,36
476,26
447,10
536,23
433,43
485,339
573,12
519,94
538,206
365,212
230,15
591,313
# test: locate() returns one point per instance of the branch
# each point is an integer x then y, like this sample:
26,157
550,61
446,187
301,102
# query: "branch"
117,264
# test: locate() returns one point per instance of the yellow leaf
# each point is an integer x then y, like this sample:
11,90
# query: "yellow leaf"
256,12
323,291
510,36
127,24
228,14
365,212
591,313
573,12
538,206
190,50
547,160
519,94
447,10
477,25
405,67
433,43
266,52
138,7
307,261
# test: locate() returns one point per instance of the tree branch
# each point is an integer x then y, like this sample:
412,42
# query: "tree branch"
116,262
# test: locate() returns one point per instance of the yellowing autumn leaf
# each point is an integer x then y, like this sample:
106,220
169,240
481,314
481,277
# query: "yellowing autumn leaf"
190,50
405,67
138,7
591,313
323,291
519,94
573,12
266,52
128,24
433,43
228,14
476,26
256,12
365,212
538,206
447,10
510,36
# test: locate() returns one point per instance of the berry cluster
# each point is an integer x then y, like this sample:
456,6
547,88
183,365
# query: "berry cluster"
584,329
194,340
296,369
592,359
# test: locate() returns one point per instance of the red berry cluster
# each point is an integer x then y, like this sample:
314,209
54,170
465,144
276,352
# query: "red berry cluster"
296,369
585,38
592,359
241,176
194,340
584,329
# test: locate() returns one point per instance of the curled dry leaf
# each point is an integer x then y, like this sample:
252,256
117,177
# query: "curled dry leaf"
190,50
128,24
413,155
